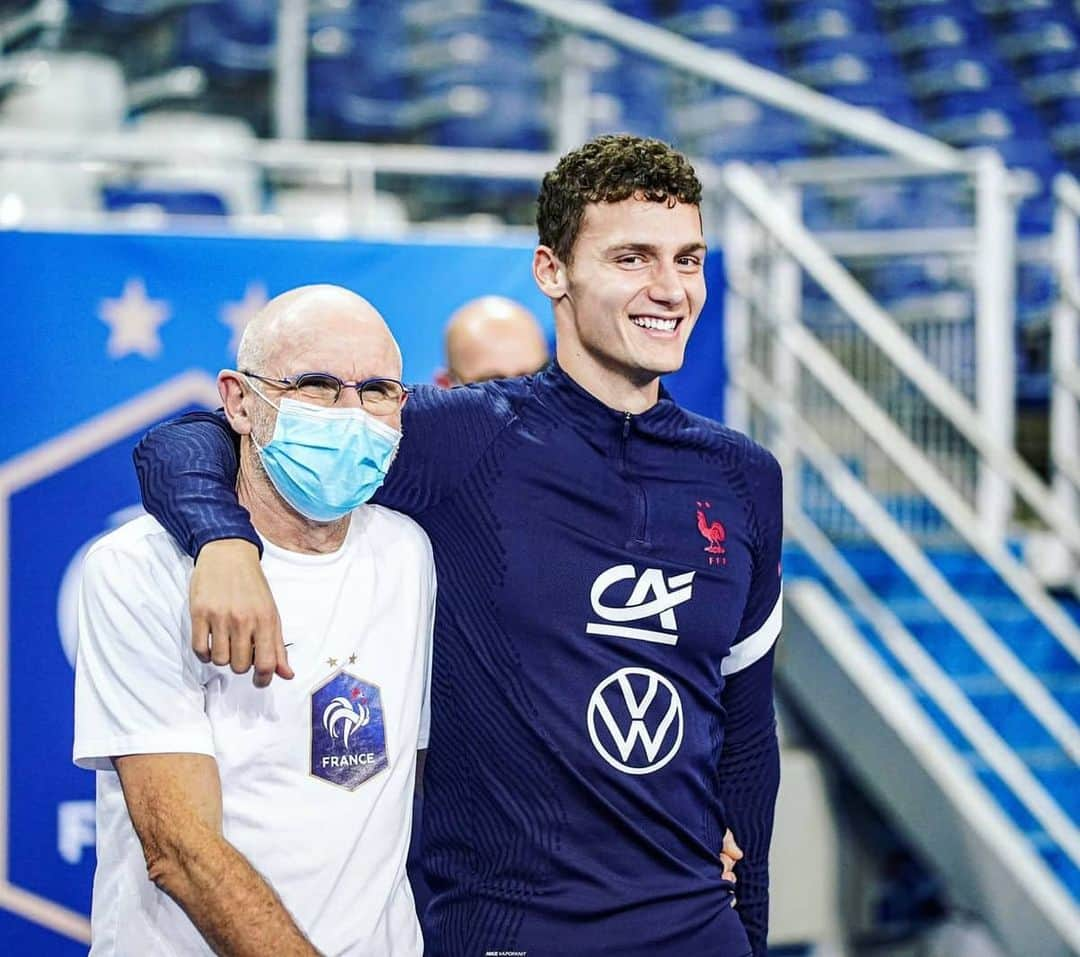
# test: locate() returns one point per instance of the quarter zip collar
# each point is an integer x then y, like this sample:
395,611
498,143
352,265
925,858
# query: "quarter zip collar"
577,406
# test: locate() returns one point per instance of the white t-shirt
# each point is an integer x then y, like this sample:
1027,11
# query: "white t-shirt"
316,773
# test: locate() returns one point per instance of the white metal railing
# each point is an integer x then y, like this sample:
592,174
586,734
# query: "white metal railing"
983,430
354,165
968,834
44,15
726,69
131,147
961,320
933,680
790,356
907,554
290,70
1065,349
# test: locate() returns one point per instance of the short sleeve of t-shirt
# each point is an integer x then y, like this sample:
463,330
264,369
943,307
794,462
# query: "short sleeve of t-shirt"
429,630
138,685
763,614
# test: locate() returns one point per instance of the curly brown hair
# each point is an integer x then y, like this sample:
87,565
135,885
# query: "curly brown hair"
609,169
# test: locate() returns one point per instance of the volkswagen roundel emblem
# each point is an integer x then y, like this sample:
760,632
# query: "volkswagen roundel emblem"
635,720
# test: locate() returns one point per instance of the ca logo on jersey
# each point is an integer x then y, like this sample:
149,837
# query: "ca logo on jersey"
652,597
636,720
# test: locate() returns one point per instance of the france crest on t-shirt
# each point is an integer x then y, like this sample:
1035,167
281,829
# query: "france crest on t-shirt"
348,740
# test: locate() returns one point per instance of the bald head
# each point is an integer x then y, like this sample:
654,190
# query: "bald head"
319,329
311,329
493,338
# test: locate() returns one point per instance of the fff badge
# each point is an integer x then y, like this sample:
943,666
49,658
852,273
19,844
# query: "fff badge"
348,738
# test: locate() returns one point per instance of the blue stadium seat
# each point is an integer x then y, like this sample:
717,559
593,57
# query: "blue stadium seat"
1055,668
631,100
810,22
355,85
954,75
489,115
747,11
360,55
122,15
1051,45
475,75
642,9
233,38
917,40
466,57
838,69
717,19
754,45
771,140
170,202
1065,110
432,18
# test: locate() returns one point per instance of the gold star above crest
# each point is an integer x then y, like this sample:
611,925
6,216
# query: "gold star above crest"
332,662
352,659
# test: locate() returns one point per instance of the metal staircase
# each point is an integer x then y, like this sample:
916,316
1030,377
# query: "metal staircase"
918,642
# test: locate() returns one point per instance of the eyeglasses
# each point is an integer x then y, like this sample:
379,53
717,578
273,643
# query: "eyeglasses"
379,396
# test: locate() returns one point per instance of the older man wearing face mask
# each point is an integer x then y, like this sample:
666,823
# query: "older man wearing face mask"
242,821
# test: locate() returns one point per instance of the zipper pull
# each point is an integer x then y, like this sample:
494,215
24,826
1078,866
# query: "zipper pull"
626,425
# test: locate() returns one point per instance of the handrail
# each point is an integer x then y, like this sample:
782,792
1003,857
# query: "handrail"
921,472
1070,379
751,190
46,14
1065,346
1008,667
936,682
999,836
731,71
133,146
1070,468
845,170
1067,191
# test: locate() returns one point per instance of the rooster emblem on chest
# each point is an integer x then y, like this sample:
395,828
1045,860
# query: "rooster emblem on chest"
713,532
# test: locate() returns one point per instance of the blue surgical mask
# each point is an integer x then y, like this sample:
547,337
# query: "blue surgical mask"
326,462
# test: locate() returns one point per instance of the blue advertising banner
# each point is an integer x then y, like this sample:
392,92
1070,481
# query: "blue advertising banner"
107,335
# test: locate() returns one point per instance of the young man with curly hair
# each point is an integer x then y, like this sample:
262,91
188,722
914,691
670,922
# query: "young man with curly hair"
609,601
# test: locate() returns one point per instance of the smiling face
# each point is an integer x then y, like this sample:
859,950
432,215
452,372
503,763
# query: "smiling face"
627,301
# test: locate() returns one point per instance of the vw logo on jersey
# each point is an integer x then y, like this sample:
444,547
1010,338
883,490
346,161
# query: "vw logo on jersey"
652,599
636,720
348,740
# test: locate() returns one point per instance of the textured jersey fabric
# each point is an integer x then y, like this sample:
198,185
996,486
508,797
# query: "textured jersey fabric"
609,589
316,773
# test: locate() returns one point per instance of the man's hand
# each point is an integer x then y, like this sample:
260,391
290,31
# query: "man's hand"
234,620
730,855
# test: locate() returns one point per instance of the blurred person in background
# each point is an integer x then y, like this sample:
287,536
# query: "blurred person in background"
492,338
254,821
609,601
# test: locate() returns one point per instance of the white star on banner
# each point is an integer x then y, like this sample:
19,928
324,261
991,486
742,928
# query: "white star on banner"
236,315
133,321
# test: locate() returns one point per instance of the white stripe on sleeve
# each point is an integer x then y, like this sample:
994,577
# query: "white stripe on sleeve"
757,645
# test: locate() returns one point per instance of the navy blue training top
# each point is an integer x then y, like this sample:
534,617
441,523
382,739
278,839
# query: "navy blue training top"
608,603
